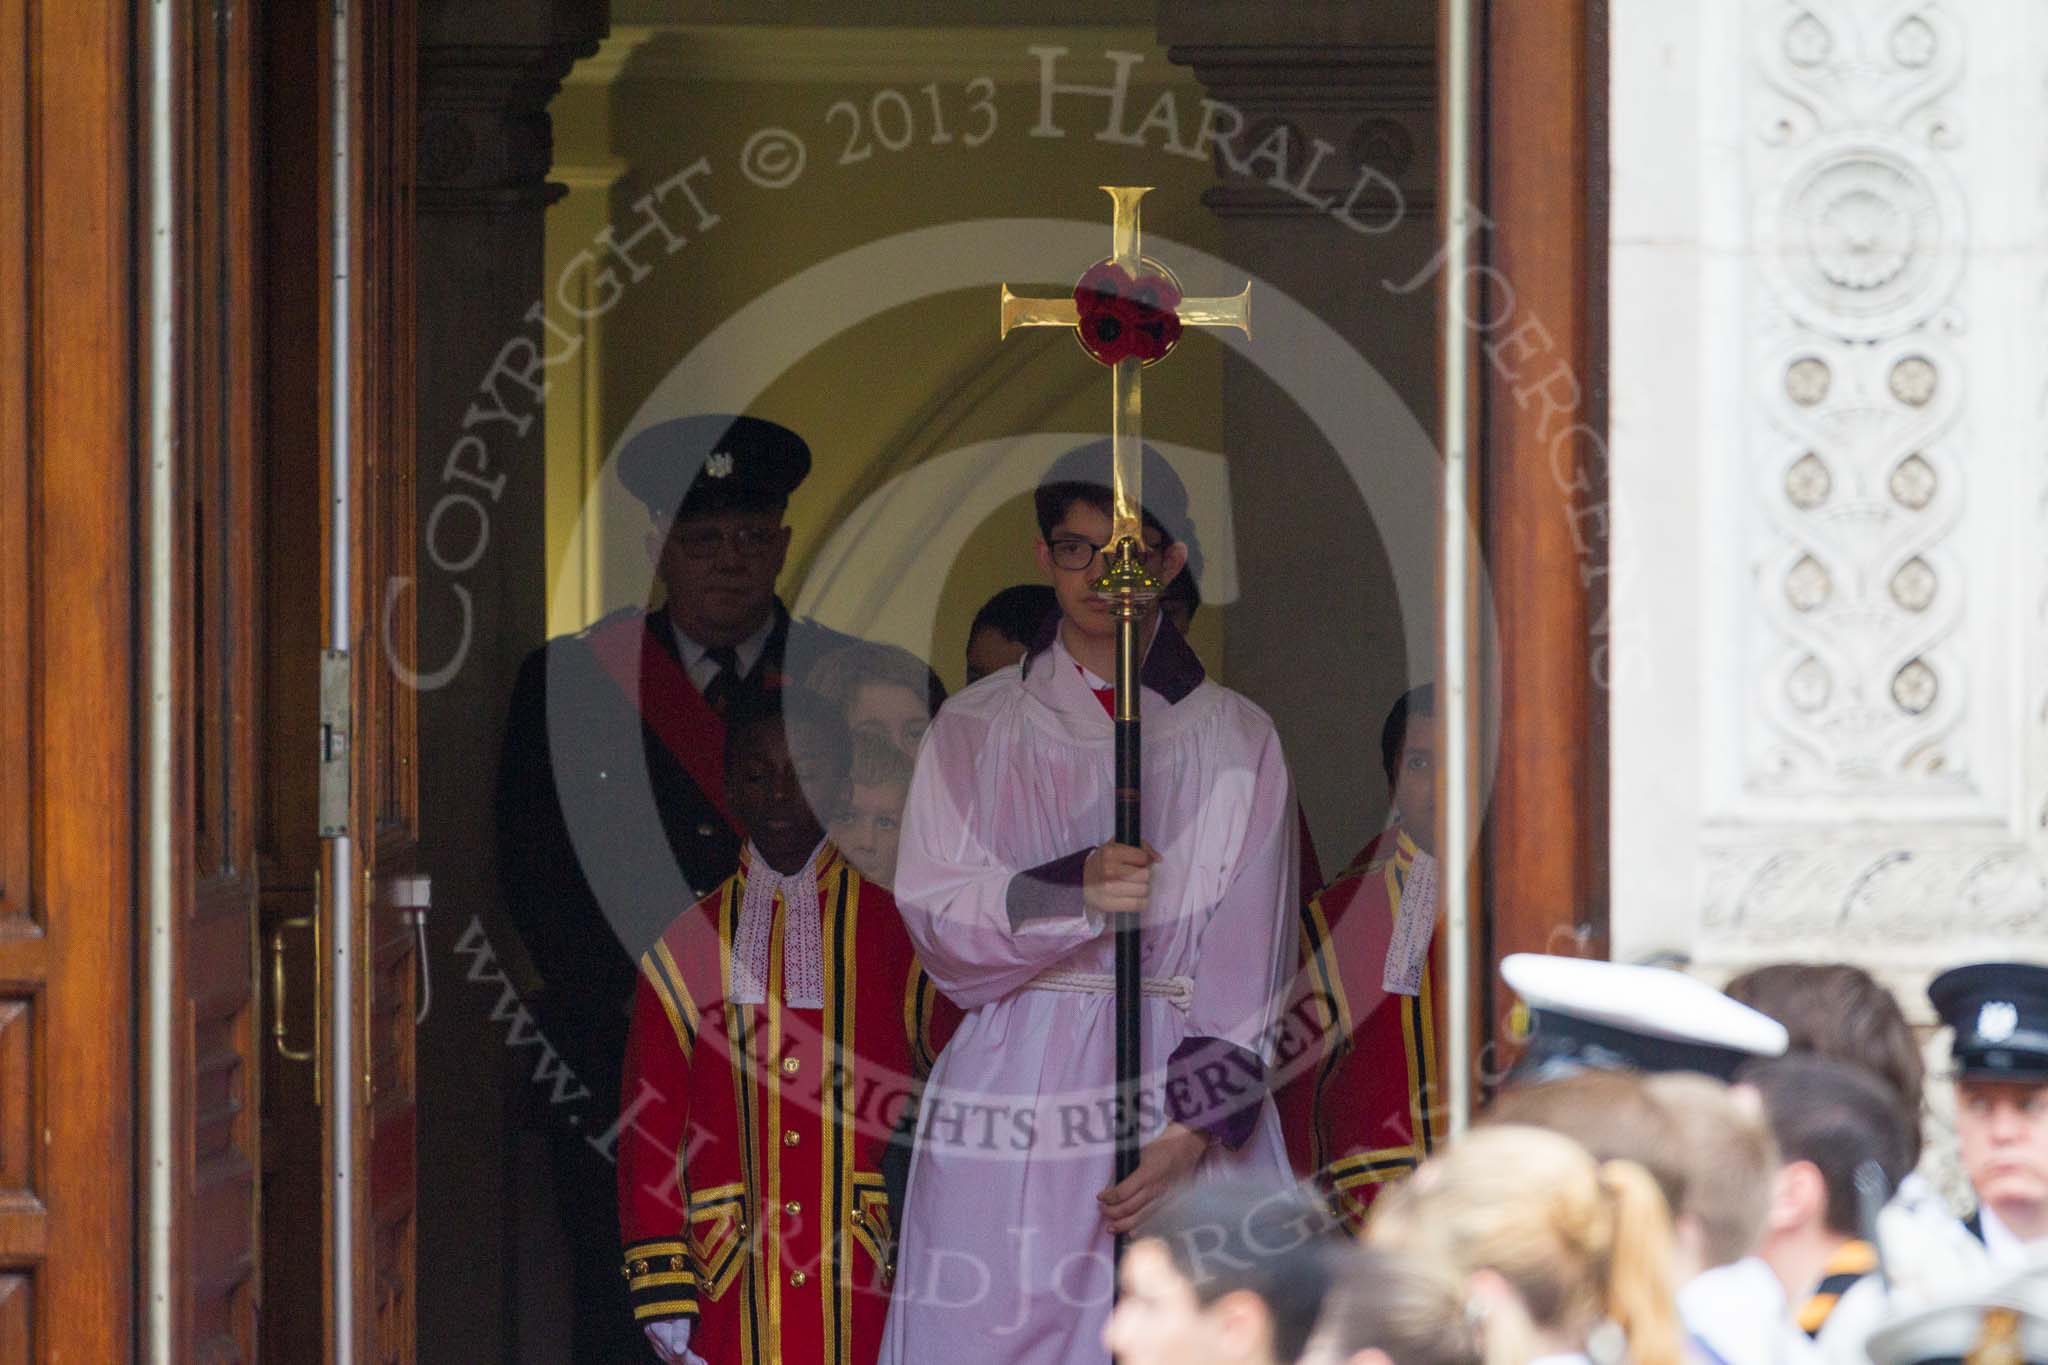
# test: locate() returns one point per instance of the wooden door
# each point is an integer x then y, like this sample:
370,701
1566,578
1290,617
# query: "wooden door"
230,434
68,734
214,586
378,1093
341,817
294,225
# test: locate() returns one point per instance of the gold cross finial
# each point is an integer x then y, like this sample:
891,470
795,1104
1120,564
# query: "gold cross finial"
1127,312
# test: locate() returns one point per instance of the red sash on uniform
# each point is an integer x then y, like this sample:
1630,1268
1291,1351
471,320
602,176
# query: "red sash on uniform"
669,704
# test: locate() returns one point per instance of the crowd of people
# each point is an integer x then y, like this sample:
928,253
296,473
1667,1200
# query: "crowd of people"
1665,1180
830,952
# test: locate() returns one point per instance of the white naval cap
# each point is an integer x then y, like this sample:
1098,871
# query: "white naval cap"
1616,1016
2008,1322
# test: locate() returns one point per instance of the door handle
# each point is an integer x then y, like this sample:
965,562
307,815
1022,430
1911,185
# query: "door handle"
412,897
279,1030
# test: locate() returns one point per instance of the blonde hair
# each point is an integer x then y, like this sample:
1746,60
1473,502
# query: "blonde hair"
1579,1242
1412,1311
1730,1159
1610,1114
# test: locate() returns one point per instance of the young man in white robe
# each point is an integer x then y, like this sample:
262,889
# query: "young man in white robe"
1011,890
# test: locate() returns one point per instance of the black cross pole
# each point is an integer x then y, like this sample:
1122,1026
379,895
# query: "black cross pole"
1132,317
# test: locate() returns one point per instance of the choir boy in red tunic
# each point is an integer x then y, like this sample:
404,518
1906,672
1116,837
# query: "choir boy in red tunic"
780,1029
1360,1105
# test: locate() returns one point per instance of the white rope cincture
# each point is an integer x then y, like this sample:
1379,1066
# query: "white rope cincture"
1178,991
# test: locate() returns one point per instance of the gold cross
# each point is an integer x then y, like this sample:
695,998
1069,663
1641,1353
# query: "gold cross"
1125,415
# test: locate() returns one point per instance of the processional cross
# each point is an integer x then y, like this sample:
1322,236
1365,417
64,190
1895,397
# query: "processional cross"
1127,312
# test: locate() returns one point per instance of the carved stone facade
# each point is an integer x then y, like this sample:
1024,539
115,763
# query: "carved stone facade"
1830,258
1855,623
1351,124
487,72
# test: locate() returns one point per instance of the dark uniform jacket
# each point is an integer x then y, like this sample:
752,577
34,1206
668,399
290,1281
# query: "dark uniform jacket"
611,814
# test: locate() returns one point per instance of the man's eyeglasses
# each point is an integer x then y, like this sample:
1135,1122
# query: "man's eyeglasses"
748,542
1074,553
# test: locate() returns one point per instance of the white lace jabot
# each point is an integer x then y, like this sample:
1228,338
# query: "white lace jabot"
803,934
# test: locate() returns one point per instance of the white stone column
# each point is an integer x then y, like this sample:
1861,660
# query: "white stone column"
1829,281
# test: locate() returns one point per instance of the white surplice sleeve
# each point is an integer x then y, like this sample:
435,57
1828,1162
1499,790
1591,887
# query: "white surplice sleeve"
1217,1077
982,928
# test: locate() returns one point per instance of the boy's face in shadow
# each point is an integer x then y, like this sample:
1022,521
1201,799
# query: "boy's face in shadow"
1415,782
779,772
989,650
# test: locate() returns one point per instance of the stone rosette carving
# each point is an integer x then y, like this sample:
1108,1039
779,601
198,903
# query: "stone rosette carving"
1913,483
1853,245
1808,482
1862,687
1857,337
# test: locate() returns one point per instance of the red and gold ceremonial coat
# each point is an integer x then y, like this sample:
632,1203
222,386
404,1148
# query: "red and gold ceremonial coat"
751,1189
1359,1105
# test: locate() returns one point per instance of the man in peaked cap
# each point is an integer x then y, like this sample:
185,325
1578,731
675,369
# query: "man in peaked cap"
1617,1016
611,805
1999,1011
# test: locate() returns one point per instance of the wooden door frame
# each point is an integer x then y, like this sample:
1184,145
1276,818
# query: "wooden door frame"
68,687
1540,403
207,403
101,852
365,976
